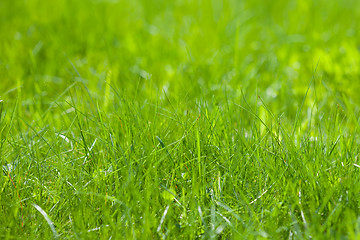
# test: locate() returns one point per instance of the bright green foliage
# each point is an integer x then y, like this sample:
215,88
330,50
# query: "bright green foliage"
154,119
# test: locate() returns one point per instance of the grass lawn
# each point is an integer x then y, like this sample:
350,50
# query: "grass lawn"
204,119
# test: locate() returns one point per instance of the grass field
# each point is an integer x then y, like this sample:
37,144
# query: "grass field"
154,119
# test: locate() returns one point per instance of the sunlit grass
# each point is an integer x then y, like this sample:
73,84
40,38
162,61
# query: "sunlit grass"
179,120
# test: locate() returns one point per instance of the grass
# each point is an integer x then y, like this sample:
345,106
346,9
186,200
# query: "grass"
179,119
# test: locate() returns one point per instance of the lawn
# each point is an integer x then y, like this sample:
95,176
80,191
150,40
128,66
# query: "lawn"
154,119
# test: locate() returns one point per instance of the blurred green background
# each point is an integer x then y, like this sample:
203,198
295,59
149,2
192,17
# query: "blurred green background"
188,48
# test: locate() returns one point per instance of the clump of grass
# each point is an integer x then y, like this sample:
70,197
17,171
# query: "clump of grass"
150,119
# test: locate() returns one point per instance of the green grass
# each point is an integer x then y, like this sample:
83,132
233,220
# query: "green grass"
138,119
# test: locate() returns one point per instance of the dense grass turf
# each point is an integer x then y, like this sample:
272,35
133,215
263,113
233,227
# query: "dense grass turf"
179,119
